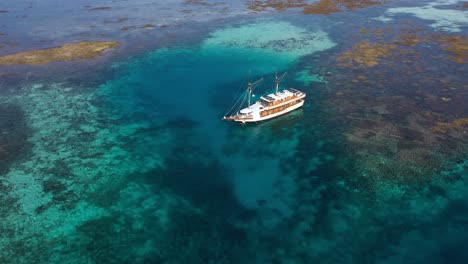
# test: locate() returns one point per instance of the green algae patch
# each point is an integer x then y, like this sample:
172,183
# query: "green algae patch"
67,52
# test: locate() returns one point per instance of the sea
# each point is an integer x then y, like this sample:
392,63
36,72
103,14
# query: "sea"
125,158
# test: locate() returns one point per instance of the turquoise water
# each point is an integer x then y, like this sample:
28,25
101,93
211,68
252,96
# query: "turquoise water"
193,88
141,168
144,165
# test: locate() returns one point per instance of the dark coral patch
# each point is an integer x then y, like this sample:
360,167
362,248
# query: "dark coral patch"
324,7
149,26
201,3
99,8
127,28
13,135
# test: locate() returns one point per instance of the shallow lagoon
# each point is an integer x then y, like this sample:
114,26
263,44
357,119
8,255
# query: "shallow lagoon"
131,163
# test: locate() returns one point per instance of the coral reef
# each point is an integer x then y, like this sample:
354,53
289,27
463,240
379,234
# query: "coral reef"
13,134
4,74
389,131
148,26
279,37
457,124
368,53
457,46
334,6
118,20
444,19
75,177
202,3
372,170
365,54
278,5
320,7
126,28
99,8
67,52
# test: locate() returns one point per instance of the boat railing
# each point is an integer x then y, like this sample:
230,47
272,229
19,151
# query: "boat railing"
294,91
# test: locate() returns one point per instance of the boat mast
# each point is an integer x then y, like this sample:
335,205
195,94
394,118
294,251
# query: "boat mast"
250,88
277,81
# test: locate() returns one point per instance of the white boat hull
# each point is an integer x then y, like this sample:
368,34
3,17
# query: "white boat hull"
269,106
258,118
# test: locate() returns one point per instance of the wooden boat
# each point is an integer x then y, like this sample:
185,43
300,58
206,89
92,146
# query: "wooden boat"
269,106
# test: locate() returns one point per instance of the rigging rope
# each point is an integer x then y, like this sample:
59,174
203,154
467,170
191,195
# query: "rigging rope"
237,96
242,103
237,102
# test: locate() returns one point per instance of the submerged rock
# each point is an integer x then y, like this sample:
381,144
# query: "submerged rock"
319,7
365,55
67,52
457,46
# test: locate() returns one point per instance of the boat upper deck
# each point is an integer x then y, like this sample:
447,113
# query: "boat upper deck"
271,100
280,96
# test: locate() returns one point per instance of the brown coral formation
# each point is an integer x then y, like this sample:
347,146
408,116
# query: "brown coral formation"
8,44
395,117
119,20
201,3
99,8
320,7
334,6
411,38
390,136
397,49
457,46
67,52
4,74
399,122
278,5
365,55
457,124
148,26
127,28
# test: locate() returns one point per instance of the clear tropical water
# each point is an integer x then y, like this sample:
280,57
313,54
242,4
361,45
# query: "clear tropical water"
128,161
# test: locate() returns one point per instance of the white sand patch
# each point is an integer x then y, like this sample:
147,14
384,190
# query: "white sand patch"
281,38
383,19
445,19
